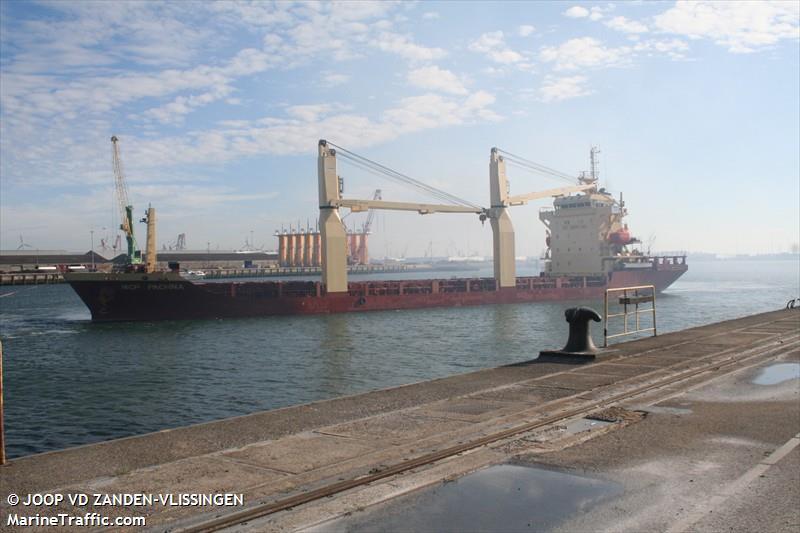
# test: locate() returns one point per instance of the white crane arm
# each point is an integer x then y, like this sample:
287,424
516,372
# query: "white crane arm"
122,189
422,209
522,199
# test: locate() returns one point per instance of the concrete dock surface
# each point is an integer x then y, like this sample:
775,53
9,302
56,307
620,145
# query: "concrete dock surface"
690,431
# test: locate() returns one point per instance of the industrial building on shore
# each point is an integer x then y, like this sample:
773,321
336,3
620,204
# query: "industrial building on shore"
303,248
37,260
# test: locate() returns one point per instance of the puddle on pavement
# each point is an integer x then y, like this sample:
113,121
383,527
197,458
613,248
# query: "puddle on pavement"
584,424
505,498
774,374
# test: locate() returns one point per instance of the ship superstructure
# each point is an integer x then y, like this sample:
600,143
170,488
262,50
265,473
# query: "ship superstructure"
587,236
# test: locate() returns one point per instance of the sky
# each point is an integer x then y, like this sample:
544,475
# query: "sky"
218,107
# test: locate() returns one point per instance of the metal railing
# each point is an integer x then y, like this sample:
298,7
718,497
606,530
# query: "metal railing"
634,296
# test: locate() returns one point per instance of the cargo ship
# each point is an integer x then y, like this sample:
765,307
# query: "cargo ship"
589,249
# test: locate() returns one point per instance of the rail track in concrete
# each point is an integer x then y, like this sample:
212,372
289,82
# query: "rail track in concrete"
713,367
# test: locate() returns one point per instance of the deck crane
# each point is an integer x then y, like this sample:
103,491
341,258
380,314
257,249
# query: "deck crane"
501,200
333,236
125,207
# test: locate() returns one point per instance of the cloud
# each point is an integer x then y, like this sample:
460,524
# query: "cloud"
626,25
525,30
403,46
43,97
310,113
673,48
494,47
79,36
430,15
599,12
596,12
583,53
332,79
258,14
437,79
294,133
148,33
576,12
298,132
741,26
175,111
293,33
588,52
37,84
557,89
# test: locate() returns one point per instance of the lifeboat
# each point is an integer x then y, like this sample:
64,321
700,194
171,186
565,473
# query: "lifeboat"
620,237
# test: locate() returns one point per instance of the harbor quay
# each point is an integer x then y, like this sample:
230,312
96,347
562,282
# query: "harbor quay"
686,431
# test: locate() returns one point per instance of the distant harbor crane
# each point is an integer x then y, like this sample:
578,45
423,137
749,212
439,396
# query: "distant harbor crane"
362,254
125,207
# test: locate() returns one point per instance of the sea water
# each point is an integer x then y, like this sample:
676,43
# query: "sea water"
70,382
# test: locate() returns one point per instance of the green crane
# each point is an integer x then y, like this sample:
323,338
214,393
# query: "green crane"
125,207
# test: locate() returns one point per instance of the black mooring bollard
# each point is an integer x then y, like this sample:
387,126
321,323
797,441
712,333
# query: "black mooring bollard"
579,338
579,345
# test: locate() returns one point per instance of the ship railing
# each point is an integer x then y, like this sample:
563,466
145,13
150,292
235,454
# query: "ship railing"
627,297
596,281
422,286
658,262
662,261
417,287
299,288
482,285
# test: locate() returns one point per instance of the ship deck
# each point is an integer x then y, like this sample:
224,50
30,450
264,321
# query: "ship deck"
679,407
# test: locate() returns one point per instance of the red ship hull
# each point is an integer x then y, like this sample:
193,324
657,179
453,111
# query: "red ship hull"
166,296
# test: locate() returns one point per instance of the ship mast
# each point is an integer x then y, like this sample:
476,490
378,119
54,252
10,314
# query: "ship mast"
594,162
594,168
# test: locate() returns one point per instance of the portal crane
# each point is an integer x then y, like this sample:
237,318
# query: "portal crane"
125,207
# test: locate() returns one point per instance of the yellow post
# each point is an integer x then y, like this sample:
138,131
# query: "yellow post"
150,264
